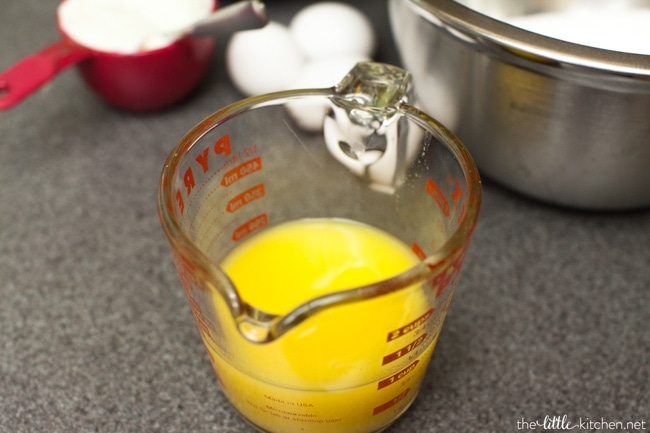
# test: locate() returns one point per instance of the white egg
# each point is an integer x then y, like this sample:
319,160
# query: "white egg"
318,73
263,60
327,29
326,72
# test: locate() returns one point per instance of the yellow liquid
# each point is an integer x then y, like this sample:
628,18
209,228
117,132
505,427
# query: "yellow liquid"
351,368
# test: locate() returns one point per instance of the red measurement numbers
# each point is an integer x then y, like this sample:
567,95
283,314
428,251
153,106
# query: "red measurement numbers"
410,326
391,403
250,226
404,350
242,199
441,199
242,170
397,376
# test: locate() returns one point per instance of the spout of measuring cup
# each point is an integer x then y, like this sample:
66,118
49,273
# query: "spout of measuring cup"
257,326
364,131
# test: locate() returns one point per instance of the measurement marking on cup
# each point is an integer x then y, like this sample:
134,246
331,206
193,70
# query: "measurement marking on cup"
458,191
241,200
417,249
434,191
409,327
397,376
404,350
448,276
242,170
250,226
221,148
391,403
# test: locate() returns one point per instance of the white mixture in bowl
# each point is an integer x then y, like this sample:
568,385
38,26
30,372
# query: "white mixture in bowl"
129,26
620,29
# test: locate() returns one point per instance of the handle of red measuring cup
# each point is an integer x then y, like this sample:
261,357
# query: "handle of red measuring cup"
30,73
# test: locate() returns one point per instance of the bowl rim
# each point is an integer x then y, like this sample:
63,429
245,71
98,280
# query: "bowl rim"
487,30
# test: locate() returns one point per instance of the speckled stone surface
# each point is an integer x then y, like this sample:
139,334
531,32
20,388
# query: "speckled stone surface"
550,317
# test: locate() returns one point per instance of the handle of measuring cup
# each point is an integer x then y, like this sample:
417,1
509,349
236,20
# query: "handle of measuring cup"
32,72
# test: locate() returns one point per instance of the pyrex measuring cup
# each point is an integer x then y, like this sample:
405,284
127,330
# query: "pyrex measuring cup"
329,357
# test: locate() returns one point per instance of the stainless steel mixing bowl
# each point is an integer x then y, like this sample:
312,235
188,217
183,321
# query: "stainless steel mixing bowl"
562,122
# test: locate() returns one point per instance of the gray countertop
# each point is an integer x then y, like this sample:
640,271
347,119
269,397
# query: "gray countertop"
550,318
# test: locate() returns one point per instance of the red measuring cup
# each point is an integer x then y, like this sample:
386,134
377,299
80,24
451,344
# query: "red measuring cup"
143,81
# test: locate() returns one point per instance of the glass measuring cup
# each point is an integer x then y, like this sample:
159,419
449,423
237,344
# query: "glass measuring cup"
327,359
